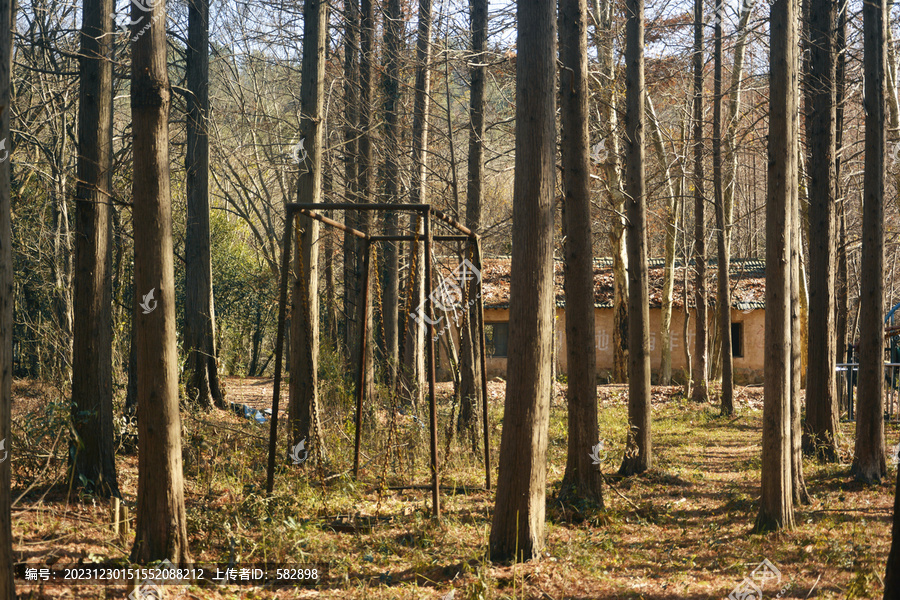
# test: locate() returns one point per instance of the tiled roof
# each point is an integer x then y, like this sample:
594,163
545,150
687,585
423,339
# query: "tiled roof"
747,275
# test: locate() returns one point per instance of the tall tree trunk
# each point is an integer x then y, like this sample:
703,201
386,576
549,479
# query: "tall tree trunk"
202,372
582,479
638,454
842,302
517,529
798,306
685,271
92,454
414,347
734,110
331,314
61,265
366,173
352,246
470,389
7,581
821,426
723,297
893,106
303,411
608,156
161,528
671,224
701,354
892,571
131,395
391,262
842,307
776,509
868,457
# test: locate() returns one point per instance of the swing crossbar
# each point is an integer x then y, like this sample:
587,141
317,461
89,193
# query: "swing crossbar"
412,238
423,208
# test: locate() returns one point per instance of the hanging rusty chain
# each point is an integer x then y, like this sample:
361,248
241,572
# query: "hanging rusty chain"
378,296
407,301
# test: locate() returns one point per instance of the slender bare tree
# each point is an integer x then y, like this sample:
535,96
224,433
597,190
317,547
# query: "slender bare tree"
798,304
723,296
391,286
414,345
608,155
470,376
673,201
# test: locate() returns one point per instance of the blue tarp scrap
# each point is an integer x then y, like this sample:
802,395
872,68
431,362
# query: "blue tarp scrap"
250,413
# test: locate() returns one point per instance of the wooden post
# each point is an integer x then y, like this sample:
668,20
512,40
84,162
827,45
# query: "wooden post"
114,514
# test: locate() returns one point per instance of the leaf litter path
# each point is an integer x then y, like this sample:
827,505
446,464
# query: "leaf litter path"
688,538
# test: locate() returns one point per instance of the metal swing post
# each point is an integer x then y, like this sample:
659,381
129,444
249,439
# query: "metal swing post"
279,346
429,318
484,390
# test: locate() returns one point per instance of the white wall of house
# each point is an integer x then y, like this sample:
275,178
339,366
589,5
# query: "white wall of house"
748,360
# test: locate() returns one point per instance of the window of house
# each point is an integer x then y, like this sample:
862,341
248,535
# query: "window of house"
737,340
496,339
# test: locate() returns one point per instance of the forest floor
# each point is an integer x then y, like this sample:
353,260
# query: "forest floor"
680,531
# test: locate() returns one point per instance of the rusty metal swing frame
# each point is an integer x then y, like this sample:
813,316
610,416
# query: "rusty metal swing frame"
428,214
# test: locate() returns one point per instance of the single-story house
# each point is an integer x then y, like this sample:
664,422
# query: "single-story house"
747,317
